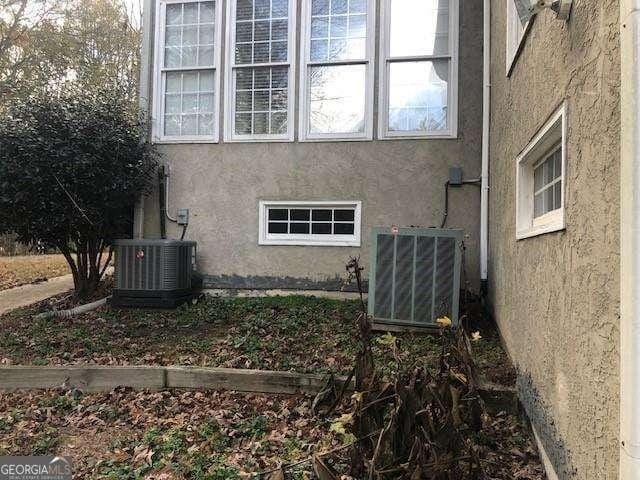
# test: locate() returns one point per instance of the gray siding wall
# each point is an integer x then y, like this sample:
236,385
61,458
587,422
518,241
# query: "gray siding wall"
556,296
399,182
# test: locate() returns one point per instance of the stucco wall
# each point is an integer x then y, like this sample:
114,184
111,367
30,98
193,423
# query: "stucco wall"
556,296
398,182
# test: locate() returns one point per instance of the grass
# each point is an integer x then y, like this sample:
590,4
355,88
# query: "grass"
296,333
22,270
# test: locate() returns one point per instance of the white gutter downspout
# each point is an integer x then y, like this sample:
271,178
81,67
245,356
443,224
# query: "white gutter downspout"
486,105
145,50
630,240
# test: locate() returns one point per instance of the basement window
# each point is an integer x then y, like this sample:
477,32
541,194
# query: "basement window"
310,223
541,180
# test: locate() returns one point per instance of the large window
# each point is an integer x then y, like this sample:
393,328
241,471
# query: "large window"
541,180
187,62
337,71
418,68
260,81
310,223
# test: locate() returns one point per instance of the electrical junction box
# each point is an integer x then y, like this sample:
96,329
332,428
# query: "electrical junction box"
183,216
455,176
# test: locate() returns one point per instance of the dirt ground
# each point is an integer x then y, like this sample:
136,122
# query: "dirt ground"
22,270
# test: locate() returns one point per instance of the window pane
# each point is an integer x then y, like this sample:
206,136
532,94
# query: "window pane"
338,31
321,215
320,7
174,14
207,12
189,103
538,205
299,214
337,99
343,228
419,27
278,214
418,96
277,228
321,229
258,29
262,31
189,35
558,195
299,228
344,215
259,92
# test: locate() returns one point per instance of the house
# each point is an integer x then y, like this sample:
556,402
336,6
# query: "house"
290,128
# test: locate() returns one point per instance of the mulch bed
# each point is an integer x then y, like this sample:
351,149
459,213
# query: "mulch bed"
205,435
301,334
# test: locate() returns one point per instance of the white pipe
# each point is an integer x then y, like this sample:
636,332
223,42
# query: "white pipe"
486,105
167,175
630,241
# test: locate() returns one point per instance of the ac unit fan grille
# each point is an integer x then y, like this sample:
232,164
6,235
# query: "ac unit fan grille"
415,275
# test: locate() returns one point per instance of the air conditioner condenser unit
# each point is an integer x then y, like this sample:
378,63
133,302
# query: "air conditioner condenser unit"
154,273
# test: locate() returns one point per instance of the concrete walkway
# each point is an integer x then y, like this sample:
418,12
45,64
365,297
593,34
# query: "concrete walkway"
28,294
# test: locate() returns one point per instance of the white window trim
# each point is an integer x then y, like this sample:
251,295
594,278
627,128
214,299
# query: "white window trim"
310,240
305,63
513,48
552,133
159,78
230,107
452,108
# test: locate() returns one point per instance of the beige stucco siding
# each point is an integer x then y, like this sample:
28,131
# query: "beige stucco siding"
399,182
556,296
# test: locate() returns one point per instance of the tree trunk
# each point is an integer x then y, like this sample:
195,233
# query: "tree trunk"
86,268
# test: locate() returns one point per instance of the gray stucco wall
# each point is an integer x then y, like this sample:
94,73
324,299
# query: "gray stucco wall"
399,182
556,296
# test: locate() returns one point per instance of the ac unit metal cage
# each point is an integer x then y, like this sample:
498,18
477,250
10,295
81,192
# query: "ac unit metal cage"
153,272
414,277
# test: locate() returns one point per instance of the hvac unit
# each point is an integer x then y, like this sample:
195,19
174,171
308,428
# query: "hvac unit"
415,276
153,273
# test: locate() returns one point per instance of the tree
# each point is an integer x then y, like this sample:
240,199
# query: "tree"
48,44
33,50
72,166
104,40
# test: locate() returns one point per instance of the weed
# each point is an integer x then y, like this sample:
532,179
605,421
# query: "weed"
254,427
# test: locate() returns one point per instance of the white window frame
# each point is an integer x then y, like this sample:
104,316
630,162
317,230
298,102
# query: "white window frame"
548,137
516,35
306,63
230,65
266,238
159,77
385,60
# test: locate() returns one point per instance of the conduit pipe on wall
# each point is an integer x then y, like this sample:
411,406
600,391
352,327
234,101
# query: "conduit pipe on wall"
486,104
630,240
